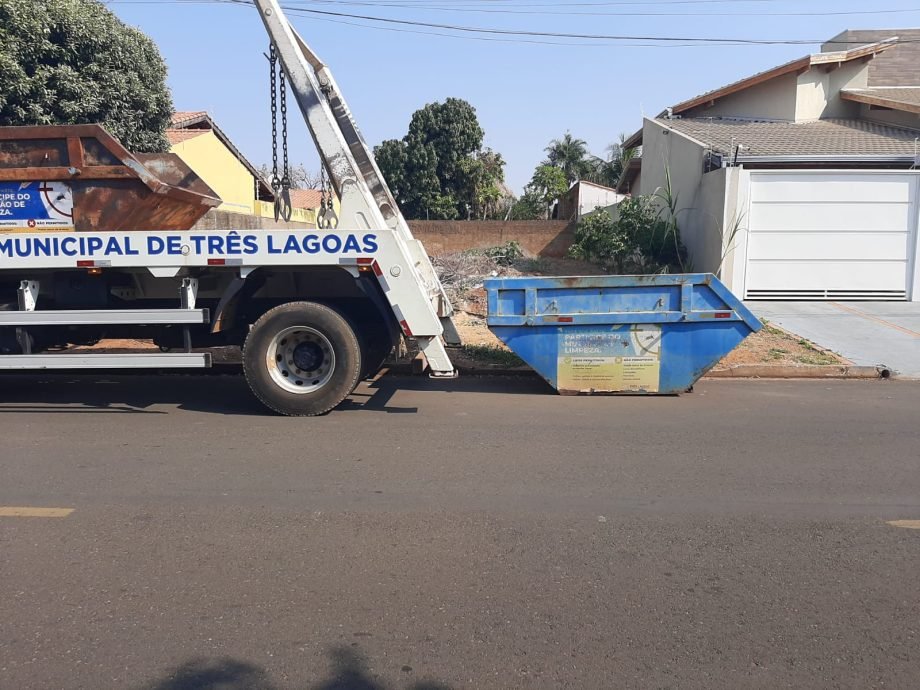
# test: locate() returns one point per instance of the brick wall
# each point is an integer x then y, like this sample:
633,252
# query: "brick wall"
549,238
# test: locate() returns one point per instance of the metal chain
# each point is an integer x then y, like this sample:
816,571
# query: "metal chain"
286,169
273,62
281,186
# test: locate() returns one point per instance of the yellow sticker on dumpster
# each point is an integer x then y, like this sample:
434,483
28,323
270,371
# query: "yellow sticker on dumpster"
623,359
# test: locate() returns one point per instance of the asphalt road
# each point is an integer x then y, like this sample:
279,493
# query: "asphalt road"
468,534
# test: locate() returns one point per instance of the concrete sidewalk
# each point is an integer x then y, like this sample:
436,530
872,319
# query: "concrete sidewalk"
866,333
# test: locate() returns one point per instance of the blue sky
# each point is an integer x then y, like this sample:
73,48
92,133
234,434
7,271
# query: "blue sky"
525,93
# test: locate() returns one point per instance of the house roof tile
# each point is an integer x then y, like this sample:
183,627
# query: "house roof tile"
856,138
306,198
177,136
181,118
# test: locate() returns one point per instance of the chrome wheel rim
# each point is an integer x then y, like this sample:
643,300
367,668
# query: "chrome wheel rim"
300,360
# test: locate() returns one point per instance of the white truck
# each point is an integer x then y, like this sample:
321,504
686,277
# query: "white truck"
314,311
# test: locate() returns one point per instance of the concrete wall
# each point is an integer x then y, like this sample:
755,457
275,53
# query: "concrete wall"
221,170
704,225
666,151
737,204
548,238
772,100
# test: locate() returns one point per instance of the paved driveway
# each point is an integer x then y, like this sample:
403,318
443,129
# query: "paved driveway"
866,333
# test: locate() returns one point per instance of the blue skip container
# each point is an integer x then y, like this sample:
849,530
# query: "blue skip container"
653,334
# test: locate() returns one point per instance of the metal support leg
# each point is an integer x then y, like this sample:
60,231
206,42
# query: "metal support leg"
188,294
28,298
28,295
438,360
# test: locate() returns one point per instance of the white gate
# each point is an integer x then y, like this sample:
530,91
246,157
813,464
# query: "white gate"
842,235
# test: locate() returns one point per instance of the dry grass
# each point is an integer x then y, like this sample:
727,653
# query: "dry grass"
773,345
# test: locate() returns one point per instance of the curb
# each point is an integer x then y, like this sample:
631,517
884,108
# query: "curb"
757,371
741,371
405,369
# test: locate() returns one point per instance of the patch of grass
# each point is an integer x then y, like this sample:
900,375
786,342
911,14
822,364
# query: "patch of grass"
777,353
817,359
490,354
775,331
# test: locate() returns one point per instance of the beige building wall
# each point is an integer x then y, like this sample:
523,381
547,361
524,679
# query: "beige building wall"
772,100
818,91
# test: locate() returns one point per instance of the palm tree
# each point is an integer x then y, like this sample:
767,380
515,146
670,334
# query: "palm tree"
569,155
607,171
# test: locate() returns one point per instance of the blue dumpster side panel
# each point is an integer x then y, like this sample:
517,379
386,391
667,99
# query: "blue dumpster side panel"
688,322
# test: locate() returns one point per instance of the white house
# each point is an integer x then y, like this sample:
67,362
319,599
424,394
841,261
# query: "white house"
586,197
800,182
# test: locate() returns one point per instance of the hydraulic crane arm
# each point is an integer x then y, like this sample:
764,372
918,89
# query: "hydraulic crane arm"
366,201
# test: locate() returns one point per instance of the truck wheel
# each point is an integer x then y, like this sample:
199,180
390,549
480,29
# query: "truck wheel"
302,359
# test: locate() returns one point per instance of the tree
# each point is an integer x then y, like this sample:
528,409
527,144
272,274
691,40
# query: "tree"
74,62
483,174
452,130
301,178
569,155
608,171
529,207
547,185
439,169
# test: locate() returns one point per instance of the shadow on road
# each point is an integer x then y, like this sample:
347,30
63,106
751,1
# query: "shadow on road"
117,393
349,671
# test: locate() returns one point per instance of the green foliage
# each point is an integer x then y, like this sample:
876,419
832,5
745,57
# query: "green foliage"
74,62
529,207
570,160
641,239
547,184
451,129
608,171
491,354
439,170
601,240
570,155
481,175
668,211
506,254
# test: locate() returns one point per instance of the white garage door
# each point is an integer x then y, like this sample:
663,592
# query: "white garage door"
834,235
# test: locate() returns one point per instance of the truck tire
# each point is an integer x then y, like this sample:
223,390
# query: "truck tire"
302,359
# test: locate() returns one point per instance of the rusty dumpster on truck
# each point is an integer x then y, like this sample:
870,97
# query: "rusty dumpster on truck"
80,178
